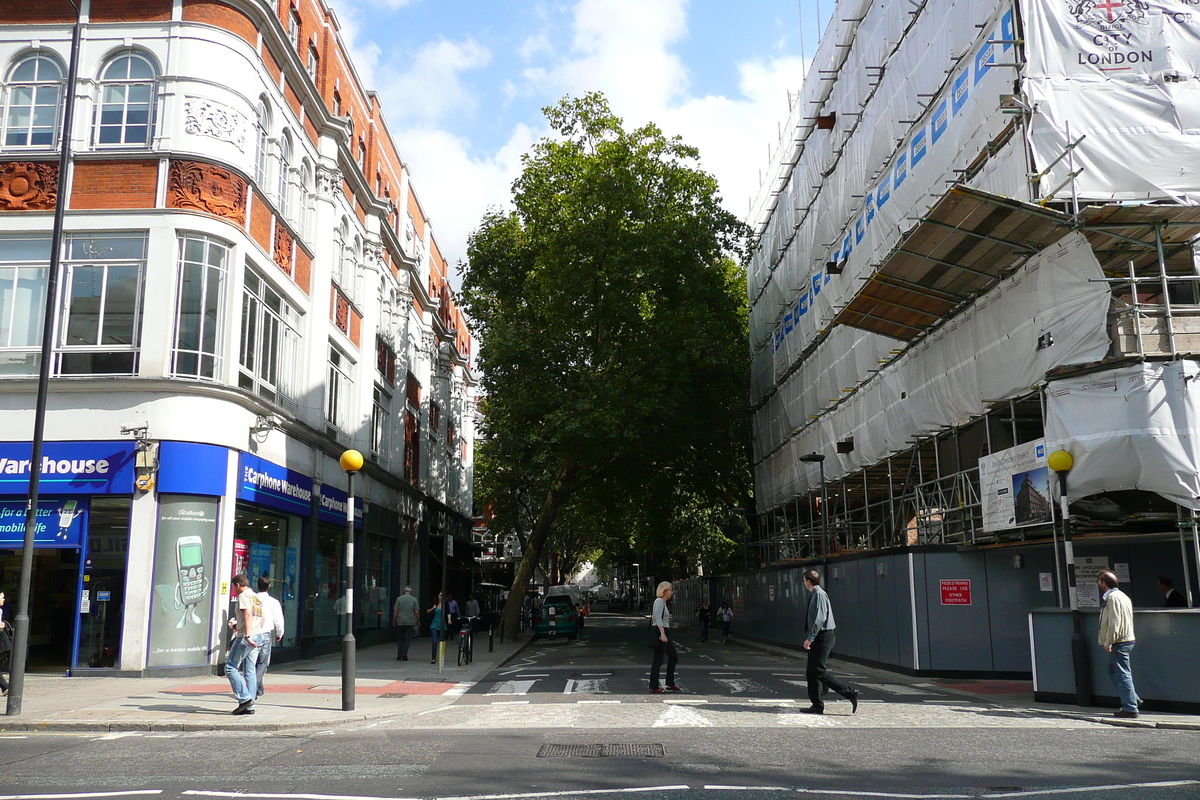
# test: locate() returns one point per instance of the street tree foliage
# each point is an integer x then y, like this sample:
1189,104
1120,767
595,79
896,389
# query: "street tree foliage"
610,308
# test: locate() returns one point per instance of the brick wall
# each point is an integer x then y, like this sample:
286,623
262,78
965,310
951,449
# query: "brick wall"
272,64
114,184
356,328
130,10
214,12
310,129
15,12
293,99
303,276
260,222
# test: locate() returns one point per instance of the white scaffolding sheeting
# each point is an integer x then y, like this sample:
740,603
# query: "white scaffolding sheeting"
1144,418
915,96
1124,75
995,350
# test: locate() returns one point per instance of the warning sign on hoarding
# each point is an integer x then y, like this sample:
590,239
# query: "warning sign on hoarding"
1014,487
956,593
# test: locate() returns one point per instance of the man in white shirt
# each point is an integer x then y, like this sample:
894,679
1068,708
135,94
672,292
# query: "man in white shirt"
240,661
272,630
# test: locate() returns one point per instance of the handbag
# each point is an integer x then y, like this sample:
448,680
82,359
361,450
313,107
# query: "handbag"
655,636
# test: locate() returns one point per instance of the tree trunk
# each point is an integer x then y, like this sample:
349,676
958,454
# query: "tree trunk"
564,484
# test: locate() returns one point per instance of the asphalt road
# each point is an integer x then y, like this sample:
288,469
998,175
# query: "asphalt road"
506,739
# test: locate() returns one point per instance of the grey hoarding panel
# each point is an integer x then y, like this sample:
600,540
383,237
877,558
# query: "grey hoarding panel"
959,634
1012,592
888,611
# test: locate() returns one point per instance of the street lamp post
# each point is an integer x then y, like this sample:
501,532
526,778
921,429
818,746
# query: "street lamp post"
637,589
819,460
20,644
351,462
1061,462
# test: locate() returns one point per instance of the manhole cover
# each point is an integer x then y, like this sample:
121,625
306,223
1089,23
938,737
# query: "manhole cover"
602,750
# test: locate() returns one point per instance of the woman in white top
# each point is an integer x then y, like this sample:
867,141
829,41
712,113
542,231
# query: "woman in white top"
660,621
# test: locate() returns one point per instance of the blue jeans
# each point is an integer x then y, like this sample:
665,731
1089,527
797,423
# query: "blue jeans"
240,667
264,661
1122,675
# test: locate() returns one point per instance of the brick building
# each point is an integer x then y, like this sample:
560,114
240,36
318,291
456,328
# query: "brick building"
249,287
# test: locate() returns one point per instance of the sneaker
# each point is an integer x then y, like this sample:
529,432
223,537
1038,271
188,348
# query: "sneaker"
656,690
671,687
241,707
1126,714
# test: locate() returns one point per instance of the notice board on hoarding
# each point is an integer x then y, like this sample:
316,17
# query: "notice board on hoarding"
1014,487
956,592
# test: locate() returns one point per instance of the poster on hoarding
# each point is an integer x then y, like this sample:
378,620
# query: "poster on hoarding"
1014,487
181,604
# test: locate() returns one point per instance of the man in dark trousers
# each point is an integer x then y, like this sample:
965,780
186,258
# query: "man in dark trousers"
818,642
704,614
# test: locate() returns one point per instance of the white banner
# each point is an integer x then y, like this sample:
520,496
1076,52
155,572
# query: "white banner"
1014,487
1123,75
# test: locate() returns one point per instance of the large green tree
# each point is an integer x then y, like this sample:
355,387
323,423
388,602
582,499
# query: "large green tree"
611,314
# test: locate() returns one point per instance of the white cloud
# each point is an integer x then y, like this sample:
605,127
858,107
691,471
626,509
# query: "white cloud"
456,189
624,48
432,89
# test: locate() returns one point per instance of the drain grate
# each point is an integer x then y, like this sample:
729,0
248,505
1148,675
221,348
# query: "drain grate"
602,750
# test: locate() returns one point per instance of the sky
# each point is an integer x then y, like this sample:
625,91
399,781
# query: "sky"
463,82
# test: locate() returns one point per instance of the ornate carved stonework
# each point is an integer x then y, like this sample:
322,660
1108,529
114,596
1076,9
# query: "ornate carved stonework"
28,186
374,256
203,117
206,187
283,249
329,182
341,314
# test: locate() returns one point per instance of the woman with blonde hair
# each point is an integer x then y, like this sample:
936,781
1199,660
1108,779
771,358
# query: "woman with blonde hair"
660,626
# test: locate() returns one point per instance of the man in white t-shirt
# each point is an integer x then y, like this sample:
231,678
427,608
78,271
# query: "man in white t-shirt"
242,658
272,630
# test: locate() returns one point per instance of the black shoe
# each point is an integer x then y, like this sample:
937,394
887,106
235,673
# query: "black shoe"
241,708
853,698
1126,714
404,659
812,710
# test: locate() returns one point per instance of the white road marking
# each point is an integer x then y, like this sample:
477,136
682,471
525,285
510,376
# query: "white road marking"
534,675
742,685
111,736
771,700
596,674
78,794
896,688
570,687
264,796
458,689
722,788
1080,790
592,686
512,687
724,673
887,794
681,701
510,702
677,787
677,716
597,702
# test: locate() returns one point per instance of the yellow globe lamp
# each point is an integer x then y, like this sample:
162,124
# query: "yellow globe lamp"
352,461
1059,461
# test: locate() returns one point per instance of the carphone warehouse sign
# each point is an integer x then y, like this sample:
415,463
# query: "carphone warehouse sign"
69,467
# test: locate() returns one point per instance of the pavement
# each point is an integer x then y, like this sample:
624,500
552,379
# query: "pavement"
299,694
551,684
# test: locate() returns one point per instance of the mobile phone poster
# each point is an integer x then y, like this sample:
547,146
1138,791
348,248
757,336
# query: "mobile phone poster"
182,601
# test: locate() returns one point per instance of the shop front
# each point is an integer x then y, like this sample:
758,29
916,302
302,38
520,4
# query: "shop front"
81,547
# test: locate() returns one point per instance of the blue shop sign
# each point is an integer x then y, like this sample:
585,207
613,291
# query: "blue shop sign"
59,523
269,484
69,467
333,506
191,468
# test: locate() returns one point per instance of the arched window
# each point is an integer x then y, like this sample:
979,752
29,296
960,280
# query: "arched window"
342,262
307,189
262,124
126,100
282,189
32,102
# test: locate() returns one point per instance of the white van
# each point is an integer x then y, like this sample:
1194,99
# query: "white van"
571,591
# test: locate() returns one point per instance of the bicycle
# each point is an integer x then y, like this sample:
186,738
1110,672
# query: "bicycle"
466,641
